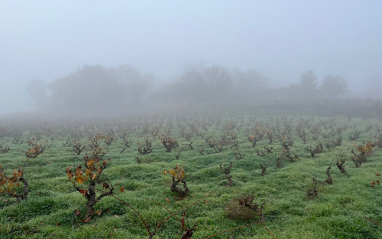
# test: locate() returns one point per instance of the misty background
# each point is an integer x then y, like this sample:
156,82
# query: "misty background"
68,56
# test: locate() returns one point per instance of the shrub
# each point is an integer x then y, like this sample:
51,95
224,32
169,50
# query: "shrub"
178,176
244,208
91,175
17,186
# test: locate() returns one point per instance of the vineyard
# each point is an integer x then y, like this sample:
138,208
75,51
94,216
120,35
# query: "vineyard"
192,175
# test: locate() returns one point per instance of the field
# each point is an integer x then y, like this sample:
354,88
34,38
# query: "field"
297,196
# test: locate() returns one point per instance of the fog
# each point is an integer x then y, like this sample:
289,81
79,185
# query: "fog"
71,56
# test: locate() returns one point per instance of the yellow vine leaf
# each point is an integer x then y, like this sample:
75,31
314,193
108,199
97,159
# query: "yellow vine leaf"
172,172
80,179
90,163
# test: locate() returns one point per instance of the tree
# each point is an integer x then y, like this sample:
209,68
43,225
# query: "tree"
308,86
134,83
249,80
90,89
218,83
308,81
37,91
249,86
212,84
192,85
333,86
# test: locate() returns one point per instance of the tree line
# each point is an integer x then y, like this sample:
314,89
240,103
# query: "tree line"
125,88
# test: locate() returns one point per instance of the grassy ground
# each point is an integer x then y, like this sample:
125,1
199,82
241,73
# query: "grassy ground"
348,208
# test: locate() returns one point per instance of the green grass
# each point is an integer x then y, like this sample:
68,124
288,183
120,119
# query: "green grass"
345,209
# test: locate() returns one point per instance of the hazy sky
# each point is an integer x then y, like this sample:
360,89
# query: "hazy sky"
281,39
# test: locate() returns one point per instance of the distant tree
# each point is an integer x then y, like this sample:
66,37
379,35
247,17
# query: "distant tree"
38,92
211,84
371,87
333,86
193,80
249,85
90,89
307,89
249,80
189,87
217,76
218,82
308,81
134,83
192,85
